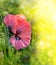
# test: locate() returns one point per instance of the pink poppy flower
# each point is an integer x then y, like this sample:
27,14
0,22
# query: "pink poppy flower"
22,33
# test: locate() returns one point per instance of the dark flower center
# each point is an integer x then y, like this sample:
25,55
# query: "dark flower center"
18,32
17,37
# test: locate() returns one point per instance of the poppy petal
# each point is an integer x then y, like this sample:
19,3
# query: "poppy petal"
18,44
25,31
12,40
20,18
26,41
10,21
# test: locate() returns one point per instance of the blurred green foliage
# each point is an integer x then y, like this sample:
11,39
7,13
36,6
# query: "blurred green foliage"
8,55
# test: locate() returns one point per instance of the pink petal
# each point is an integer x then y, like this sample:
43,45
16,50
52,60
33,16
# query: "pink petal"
17,44
26,41
21,44
10,20
14,29
13,40
25,31
20,18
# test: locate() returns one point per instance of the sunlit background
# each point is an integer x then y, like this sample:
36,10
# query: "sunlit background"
45,17
42,16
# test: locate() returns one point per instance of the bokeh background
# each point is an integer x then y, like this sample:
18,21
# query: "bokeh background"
42,16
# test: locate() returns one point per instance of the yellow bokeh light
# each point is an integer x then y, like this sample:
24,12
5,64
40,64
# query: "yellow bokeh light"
45,17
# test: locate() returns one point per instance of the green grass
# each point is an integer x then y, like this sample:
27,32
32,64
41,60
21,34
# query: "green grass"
8,55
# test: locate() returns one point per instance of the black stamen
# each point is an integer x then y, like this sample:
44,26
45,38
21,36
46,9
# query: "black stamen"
17,38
